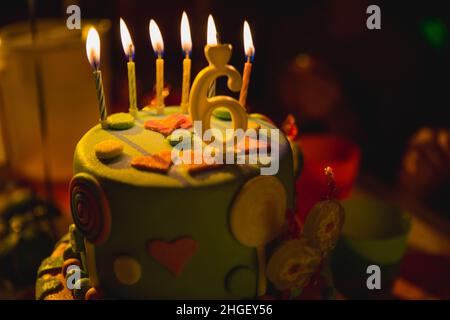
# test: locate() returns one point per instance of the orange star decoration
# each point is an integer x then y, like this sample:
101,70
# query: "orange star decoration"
160,162
169,124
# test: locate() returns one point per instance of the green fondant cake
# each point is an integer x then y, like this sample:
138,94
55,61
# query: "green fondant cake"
173,232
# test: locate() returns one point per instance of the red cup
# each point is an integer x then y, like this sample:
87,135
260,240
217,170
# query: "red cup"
320,151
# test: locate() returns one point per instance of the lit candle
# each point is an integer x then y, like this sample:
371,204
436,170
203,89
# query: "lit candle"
249,54
128,48
211,40
158,47
186,45
93,54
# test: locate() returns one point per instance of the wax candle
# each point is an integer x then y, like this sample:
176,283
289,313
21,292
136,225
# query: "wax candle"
93,54
158,47
186,45
128,48
249,54
211,40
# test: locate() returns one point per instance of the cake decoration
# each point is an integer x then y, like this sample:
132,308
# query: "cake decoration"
169,124
108,149
90,208
160,162
127,270
120,121
50,265
293,264
70,263
201,107
94,294
173,255
47,286
257,217
240,282
325,220
82,286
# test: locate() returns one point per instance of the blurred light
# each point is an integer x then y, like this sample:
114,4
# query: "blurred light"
211,38
303,61
435,32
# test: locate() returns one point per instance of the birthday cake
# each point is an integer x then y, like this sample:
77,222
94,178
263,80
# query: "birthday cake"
154,219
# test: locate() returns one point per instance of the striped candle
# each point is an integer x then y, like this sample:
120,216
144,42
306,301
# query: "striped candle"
93,54
101,98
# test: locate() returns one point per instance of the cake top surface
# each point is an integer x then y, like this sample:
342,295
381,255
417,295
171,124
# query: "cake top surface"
138,141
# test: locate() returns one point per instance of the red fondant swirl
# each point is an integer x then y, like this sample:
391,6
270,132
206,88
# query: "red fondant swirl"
90,209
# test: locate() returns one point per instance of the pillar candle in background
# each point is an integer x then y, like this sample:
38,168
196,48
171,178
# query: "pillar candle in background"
93,54
249,55
128,48
186,45
158,47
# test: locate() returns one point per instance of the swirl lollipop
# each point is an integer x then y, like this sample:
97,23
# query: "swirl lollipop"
90,209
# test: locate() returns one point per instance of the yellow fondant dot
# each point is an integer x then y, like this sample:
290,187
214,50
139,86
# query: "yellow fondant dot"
127,270
108,149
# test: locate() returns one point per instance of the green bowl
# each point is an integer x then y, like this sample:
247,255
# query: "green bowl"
375,233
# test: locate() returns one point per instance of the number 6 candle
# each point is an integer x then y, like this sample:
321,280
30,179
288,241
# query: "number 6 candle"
93,54
128,48
186,45
158,47
249,54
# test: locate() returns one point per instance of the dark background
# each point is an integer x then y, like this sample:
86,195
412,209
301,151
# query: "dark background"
380,86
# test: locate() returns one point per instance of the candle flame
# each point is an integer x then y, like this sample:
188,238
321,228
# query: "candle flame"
93,48
156,38
186,41
212,32
127,43
248,42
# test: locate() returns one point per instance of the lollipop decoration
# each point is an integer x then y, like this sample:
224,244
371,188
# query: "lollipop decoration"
325,221
257,218
90,209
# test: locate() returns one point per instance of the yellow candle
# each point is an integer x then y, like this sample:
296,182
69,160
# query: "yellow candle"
158,47
186,44
132,89
186,84
128,48
249,52
160,85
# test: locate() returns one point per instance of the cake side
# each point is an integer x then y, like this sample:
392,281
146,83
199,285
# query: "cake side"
181,213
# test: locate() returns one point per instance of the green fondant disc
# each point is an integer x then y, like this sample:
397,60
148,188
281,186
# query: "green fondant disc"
120,121
241,283
175,139
222,114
